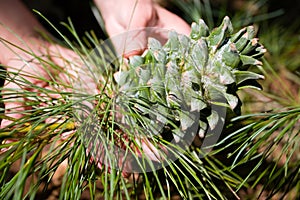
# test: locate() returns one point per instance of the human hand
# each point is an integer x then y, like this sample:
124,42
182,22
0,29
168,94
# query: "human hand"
134,17
27,56
33,66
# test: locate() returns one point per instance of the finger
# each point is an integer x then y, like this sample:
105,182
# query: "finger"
101,154
63,58
22,76
170,21
76,73
13,103
127,26
155,153
133,42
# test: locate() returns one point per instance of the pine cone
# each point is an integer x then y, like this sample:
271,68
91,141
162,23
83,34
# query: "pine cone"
173,87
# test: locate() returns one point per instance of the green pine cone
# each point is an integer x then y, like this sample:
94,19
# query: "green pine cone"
176,84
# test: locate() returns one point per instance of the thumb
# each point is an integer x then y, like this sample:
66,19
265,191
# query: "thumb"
129,43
